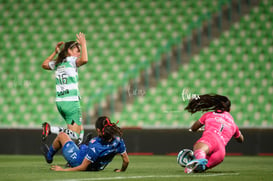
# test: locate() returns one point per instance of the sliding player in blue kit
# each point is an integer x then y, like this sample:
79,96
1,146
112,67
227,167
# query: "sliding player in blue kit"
97,155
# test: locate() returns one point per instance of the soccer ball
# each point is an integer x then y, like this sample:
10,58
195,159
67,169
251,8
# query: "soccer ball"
184,157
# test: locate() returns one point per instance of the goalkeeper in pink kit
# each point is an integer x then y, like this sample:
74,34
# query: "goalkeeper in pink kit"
220,127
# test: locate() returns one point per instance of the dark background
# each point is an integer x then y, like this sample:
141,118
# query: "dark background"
144,141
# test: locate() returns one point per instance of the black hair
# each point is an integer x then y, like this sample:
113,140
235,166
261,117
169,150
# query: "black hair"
107,128
63,53
206,102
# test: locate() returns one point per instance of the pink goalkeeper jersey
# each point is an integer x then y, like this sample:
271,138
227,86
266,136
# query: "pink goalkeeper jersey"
220,124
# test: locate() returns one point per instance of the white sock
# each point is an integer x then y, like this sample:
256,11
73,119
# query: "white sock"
81,137
57,130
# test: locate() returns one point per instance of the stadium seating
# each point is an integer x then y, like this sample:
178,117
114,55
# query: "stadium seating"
237,64
121,34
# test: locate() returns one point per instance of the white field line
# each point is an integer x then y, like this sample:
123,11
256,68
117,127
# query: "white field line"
149,176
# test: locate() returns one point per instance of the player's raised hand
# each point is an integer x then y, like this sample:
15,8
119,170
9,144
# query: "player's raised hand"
57,48
81,38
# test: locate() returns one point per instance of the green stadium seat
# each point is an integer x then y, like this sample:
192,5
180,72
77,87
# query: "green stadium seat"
120,35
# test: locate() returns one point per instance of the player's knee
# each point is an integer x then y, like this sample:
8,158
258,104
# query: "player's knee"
62,135
75,128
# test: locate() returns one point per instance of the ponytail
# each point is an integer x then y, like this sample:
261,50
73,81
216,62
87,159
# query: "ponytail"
107,128
63,53
215,102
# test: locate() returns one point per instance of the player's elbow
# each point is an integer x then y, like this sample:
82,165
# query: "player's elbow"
45,66
194,128
84,60
196,125
240,139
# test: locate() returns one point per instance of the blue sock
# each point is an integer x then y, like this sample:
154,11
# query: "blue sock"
51,152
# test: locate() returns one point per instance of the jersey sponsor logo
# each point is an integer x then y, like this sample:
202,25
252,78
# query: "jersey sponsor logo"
61,68
61,93
74,155
89,158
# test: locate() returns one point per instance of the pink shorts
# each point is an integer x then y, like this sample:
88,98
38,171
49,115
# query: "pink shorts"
217,149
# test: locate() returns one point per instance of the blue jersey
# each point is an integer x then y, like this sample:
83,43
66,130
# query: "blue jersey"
101,153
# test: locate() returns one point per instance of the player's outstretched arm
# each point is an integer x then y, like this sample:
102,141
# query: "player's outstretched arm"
125,162
50,58
84,57
196,125
240,139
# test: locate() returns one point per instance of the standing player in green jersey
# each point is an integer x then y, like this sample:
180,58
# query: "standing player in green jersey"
72,55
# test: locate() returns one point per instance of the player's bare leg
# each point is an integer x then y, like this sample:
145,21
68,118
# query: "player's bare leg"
78,129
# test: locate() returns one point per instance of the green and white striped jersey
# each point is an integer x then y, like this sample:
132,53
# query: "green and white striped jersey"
66,79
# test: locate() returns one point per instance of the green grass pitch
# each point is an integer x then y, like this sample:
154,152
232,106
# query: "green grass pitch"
233,168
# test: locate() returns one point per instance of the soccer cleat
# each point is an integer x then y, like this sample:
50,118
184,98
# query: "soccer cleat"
197,165
45,150
46,130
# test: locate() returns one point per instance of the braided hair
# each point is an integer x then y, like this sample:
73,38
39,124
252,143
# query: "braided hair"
215,102
107,128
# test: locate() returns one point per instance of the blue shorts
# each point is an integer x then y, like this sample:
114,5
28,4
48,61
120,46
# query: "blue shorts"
73,154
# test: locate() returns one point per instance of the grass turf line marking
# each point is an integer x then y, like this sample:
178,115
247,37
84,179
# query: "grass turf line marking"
151,176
